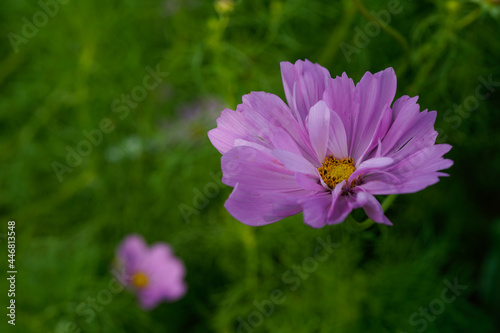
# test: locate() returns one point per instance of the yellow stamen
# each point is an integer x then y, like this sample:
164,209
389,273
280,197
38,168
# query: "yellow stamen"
140,280
334,171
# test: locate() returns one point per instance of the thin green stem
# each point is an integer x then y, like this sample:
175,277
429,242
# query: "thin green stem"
472,17
388,29
358,226
341,30
388,201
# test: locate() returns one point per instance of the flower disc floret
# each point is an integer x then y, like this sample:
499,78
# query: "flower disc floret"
140,280
334,171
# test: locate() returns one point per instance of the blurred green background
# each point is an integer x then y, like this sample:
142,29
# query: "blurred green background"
155,172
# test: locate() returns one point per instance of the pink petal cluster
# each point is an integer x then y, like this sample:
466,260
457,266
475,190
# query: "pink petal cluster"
329,151
153,273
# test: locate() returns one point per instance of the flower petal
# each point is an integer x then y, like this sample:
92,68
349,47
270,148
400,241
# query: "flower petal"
316,209
231,125
341,209
337,143
304,84
310,183
132,251
339,95
375,93
282,140
256,208
372,208
256,170
370,165
255,120
318,123
296,163
170,279
410,131
414,173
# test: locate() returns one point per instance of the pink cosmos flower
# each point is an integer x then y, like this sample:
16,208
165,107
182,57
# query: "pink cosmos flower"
329,151
154,274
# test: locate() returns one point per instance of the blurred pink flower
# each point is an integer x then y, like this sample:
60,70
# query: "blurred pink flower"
192,121
153,273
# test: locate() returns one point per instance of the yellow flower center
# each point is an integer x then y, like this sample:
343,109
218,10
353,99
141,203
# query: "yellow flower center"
140,280
334,171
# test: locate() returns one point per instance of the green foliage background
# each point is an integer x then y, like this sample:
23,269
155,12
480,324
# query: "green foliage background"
65,79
